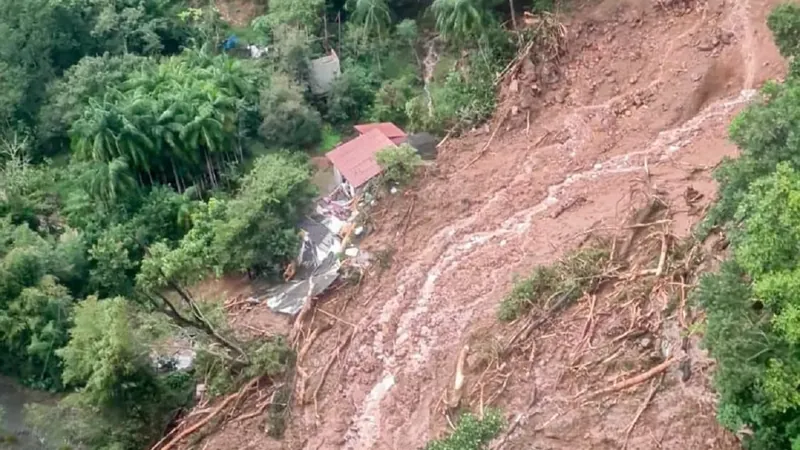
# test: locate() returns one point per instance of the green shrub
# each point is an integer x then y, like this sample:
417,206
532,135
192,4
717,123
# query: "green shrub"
398,163
466,96
471,433
539,285
279,411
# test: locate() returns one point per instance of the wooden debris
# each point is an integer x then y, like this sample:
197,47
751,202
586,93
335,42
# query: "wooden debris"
328,368
633,381
458,383
642,216
224,403
308,306
309,342
653,388
489,142
577,201
407,219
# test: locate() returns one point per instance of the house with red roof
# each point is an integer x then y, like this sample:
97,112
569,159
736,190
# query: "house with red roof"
354,161
392,131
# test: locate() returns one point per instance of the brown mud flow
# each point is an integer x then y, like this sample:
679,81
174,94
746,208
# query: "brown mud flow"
637,108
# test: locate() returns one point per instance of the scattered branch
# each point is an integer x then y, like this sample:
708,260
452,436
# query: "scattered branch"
489,142
653,388
633,381
185,433
328,368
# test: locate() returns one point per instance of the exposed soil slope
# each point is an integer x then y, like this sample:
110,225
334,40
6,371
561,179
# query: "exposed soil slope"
646,92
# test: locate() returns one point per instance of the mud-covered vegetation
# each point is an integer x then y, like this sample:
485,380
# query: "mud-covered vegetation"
556,286
752,304
141,152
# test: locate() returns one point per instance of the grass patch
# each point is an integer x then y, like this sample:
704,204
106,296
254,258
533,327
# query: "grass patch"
556,286
330,139
471,433
444,66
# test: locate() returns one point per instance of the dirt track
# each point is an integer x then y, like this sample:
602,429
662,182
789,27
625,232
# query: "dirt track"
643,85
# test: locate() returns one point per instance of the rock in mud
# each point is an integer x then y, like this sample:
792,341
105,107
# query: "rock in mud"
706,46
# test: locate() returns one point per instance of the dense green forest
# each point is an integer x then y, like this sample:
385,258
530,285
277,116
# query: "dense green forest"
137,157
753,302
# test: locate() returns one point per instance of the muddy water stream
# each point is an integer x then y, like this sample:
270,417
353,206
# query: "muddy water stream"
16,435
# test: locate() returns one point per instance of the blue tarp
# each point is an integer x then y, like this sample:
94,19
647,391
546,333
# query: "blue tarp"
230,43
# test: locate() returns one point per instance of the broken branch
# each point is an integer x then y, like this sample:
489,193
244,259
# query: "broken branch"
182,435
328,368
654,387
489,142
633,381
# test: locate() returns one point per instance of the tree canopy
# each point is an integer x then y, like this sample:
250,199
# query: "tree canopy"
753,323
141,154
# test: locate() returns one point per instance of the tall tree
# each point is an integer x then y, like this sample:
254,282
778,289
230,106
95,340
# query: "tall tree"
460,20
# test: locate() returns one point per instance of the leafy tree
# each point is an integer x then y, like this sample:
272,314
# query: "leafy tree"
784,22
26,191
259,232
752,316
40,39
391,99
407,34
177,123
137,26
751,304
762,150
466,96
294,52
288,120
34,305
34,325
43,38
67,97
766,132
122,403
352,93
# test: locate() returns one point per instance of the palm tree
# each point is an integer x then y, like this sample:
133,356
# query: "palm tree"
374,16
459,19
94,134
108,181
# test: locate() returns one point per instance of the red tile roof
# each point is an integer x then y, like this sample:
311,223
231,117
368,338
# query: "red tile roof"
389,129
355,159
